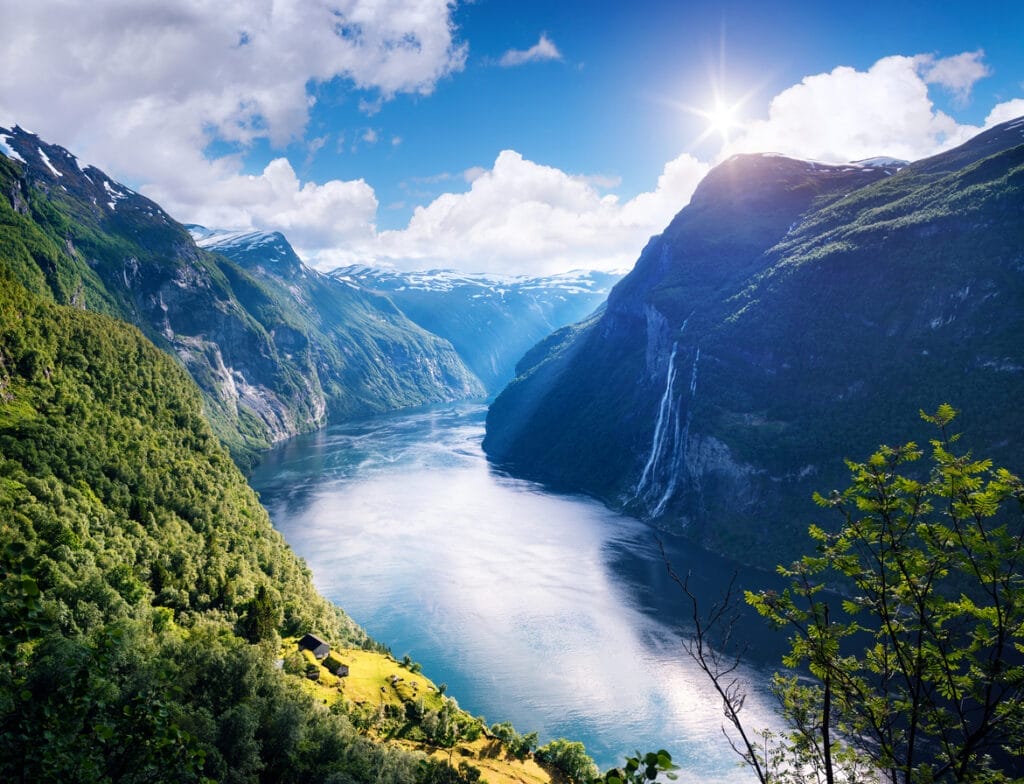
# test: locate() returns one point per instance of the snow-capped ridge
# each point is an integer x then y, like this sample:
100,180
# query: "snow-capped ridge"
879,162
244,238
571,282
882,162
46,162
9,151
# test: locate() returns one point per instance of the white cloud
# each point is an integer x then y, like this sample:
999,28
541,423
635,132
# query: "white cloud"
957,74
544,49
369,136
522,217
847,114
241,67
312,216
142,89
1004,112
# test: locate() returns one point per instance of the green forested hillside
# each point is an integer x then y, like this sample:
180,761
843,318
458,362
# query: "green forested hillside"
143,588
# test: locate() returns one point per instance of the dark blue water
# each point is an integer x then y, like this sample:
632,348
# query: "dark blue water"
541,609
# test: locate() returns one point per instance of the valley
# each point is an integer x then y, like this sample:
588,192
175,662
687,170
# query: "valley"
792,314
479,576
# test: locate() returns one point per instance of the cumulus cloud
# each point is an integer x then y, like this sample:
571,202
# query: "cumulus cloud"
1004,112
847,114
312,216
957,74
243,67
143,89
544,49
523,217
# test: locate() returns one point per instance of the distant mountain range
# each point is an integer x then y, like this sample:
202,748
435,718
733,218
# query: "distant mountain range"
491,320
793,314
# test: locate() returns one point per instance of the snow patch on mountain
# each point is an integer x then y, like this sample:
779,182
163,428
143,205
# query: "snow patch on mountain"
115,194
9,151
881,162
46,162
272,242
212,238
891,165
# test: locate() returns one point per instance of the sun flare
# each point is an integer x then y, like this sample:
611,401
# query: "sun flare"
722,118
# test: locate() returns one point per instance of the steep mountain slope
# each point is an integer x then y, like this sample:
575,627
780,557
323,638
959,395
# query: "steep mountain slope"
368,356
790,312
267,368
491,320
133,552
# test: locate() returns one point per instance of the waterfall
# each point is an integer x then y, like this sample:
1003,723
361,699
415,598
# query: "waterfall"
661,426
679,443
668,443
693,375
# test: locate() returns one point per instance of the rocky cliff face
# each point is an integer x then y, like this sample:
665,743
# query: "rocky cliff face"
792,314
268,364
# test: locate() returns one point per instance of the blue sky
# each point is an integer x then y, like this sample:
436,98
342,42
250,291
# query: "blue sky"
612,104
493,135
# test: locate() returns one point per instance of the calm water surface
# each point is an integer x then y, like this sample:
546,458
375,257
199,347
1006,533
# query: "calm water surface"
541,609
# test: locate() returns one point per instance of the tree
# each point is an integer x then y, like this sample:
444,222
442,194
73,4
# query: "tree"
569,757
263,617
643,768
518,746
450,728
905,659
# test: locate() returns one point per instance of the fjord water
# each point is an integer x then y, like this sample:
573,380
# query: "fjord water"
545,610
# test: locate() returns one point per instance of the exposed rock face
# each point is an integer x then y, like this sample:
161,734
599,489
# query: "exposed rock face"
791,315
269,362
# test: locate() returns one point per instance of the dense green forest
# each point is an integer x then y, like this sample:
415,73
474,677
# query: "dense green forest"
143,586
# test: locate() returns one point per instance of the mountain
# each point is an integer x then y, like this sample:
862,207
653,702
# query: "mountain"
143,587
790,312
268,362
150,613
491,320
368,355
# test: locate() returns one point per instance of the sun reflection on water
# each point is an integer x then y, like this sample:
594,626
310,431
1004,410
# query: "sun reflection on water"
530,605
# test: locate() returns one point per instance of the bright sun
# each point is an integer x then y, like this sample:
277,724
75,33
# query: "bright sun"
722,117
